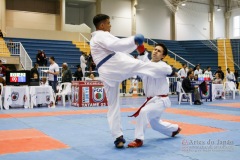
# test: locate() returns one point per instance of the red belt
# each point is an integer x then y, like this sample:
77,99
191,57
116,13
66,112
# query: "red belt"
148,99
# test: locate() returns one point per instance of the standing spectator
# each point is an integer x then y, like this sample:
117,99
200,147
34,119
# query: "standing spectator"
34,70
53,73
66,73
1,34
208,71
236,77
219,70
83,63
198,70
183,71
41,58
230,76
2,69
78,74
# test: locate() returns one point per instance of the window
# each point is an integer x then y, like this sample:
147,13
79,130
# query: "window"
236,26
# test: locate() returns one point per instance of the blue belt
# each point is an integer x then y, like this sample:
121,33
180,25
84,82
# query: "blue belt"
105,60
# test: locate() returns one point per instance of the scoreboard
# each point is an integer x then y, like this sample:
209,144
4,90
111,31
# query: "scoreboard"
18,77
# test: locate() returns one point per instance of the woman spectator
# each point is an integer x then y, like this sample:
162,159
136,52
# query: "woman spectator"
218,79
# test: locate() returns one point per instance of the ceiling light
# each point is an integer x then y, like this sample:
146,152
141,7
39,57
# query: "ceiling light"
218,9
183,4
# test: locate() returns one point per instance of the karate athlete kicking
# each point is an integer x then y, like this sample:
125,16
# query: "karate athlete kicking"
115,65
156,90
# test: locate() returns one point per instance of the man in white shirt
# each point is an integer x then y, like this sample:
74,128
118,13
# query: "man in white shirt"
198,70
156,90
53,73
209,72
83,63
115,65
230,76
183,71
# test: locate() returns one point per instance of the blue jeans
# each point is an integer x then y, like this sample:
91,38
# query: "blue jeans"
54,85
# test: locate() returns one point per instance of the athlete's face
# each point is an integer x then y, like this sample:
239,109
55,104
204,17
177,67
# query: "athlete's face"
106,25
157,54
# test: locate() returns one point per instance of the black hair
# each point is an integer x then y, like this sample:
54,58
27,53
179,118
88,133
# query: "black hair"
208,67
183,64
219,67
99,18
52,58
189,72
165,50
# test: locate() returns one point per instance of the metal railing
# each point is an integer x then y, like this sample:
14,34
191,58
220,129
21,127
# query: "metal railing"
127,90
25,60
175,55
85,40
17,49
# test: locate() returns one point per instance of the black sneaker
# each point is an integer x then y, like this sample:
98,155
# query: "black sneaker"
119,142
176,132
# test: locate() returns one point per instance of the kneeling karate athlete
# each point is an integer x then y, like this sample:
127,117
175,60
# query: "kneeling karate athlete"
156,90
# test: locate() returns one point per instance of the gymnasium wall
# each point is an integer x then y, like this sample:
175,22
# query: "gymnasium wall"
32,20
153,19
120,16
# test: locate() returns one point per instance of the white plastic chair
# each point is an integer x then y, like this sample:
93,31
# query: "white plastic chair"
230,86
64,89
1,102
182,93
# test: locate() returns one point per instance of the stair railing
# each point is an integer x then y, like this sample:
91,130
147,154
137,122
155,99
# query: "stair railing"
17,49
85,40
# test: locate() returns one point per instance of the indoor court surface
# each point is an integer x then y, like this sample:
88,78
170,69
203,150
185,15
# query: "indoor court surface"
209,132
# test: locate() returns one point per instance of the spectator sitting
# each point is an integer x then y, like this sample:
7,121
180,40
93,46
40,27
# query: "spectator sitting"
78,74
66,73
41,58
92,77
236,77
44,82
195,78
1,34
219,70
34,70
188,88
3,82
218,79
2,69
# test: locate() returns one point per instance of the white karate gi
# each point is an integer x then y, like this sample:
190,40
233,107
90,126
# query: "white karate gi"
210,74
197,72
183,72
153,110
83,64
230,76
118,68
